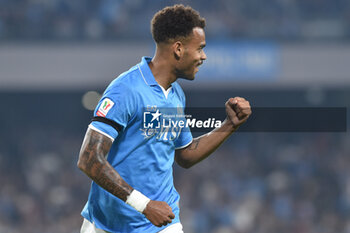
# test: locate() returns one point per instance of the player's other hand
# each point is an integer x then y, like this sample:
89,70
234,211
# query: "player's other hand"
238,110
159,213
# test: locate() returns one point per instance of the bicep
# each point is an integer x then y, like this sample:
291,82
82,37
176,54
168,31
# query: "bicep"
179,157
186,156
95,148
184,151
182,155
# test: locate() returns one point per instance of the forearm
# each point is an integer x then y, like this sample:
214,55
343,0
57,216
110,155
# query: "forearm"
203,146
92,161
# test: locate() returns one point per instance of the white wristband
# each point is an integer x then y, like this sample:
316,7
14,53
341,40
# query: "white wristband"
137,200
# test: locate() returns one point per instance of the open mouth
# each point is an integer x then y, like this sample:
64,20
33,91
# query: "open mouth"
197,66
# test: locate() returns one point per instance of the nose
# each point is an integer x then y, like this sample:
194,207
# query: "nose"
203,56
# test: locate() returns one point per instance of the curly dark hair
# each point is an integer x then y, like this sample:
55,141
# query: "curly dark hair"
174,22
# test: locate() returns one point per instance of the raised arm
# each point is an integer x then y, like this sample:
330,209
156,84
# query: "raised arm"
238,110
92,161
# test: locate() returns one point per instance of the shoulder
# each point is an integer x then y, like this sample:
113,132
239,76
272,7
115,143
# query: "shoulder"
126,82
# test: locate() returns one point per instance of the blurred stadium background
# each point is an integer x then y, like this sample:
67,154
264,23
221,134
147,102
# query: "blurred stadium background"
57,56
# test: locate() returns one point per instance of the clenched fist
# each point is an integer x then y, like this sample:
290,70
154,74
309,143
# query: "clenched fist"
159,213
238,110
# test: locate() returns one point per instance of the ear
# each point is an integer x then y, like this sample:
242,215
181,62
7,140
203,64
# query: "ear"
178,49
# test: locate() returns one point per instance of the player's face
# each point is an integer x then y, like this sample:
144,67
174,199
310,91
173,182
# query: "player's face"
193,55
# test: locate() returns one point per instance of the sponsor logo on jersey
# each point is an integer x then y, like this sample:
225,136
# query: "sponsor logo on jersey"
104,108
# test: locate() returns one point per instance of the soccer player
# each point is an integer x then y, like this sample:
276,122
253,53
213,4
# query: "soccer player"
131,167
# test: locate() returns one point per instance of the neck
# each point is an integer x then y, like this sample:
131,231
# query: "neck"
161,70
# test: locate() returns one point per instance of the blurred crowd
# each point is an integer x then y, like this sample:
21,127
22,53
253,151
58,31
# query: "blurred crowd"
90,20
263,183
41,188
255,183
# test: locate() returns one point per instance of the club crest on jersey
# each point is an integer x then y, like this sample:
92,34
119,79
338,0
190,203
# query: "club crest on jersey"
104,108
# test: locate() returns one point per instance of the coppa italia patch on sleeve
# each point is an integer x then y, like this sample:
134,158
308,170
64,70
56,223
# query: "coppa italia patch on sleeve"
104,108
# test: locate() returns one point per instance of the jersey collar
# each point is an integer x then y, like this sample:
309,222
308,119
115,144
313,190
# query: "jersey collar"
146,71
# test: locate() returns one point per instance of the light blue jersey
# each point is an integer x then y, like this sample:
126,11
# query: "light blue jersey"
130,112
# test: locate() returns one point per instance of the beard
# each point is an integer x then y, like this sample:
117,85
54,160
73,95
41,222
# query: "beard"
188,72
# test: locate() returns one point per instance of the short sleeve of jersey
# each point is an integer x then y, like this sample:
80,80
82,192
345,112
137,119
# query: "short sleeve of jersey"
117,105
185,138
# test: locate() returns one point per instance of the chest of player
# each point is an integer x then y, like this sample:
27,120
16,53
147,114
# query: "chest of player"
153,98
160,115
